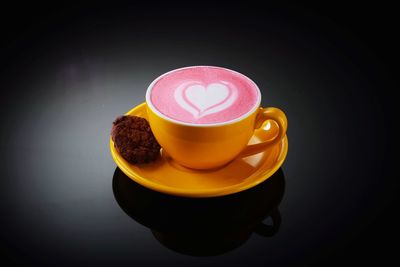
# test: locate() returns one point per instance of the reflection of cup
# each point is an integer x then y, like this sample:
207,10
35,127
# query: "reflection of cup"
210,145
202,227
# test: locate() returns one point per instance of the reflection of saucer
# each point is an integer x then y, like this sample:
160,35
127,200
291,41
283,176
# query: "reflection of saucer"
164,175
203,227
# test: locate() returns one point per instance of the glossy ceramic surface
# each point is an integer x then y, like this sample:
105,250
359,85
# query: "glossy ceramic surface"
167,176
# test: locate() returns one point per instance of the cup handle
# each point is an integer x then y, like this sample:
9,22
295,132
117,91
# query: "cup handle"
263,115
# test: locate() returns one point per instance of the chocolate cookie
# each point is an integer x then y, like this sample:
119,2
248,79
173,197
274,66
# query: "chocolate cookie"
134,139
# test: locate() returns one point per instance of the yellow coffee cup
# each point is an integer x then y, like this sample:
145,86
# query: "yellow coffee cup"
206,146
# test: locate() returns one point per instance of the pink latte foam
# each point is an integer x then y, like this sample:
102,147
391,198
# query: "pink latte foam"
204,95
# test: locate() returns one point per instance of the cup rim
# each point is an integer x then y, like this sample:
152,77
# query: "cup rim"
235,120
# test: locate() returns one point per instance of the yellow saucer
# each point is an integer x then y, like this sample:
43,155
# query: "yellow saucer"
166,176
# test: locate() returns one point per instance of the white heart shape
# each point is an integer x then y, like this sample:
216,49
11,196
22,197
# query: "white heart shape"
204,98
201,101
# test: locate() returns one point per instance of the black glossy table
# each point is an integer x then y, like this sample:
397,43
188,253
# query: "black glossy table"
67,73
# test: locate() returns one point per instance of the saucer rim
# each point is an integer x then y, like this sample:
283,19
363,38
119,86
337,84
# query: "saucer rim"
193,192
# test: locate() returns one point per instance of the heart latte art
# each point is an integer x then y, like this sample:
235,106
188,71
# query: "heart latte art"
203,100
204,95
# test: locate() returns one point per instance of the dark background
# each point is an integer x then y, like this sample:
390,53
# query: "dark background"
68,70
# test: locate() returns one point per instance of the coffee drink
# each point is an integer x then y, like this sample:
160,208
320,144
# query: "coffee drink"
204,95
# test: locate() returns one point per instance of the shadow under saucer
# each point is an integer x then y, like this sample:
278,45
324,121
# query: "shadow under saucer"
203,226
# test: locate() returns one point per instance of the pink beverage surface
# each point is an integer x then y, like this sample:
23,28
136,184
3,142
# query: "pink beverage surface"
204,95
